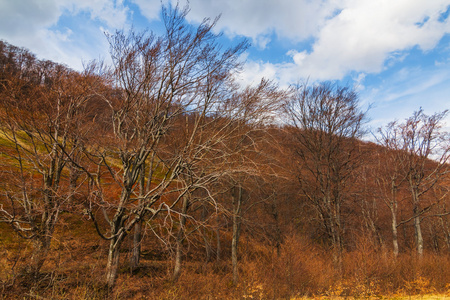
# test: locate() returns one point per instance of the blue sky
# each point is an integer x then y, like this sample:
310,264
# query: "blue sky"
396,53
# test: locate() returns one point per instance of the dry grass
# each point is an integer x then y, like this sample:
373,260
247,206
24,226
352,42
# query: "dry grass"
301,270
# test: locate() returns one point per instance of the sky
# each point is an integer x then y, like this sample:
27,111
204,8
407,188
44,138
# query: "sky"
395,53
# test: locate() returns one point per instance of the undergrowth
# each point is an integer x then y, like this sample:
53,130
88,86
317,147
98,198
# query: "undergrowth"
300,270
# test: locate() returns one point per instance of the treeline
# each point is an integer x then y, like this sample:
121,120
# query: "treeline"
164,147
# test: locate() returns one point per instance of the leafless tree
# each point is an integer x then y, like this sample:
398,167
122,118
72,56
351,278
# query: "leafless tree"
161,82
391,176
326,124
233,139
41,112
420,153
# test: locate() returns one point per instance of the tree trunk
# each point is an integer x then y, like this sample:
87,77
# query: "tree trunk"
114,250
418,233
336,236
41,246
393,206
205,240
446,230
179,240
207,253
42,240
337,248
178,254
137,237
113,262
234,247
278,234
394,231
136,251
218,246
237,203
417,227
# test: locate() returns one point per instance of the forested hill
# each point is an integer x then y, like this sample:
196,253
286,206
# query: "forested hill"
159,176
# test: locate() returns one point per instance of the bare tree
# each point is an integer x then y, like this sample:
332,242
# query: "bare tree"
326,124
254,109
232,137
420,153
41,112
160,81
391,176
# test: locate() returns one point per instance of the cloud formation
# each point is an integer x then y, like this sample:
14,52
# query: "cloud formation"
344,37
348,35
257,19
363,36
33,24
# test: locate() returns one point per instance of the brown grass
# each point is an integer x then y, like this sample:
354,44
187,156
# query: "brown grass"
301,270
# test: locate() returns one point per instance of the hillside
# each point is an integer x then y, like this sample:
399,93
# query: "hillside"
158,178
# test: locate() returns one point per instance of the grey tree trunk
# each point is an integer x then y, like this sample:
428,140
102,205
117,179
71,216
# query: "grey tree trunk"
335,226
418,234
178,258
445,227
417,227
393,207
136,251
205,240
44,235
218,246
237,209
179,240
394,230
41,247
337,248
113,263
119,235
207,253
137,237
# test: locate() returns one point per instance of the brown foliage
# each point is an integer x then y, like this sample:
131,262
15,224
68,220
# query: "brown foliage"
165,144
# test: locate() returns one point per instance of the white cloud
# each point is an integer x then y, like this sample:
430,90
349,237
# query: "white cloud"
254,71
294,19
359,36
32,24
112,12
362,36
149,8
365,33
358,81
20,17
256,19
349,35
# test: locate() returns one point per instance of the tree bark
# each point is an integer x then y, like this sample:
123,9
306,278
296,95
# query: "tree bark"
335,227
136,251
218,245
418,233
237,209
446,230
113,262
119,235
393,206
137,236
394,230
179,240
417,227
205,240
41,247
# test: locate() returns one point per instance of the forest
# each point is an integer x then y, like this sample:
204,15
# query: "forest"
160,176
